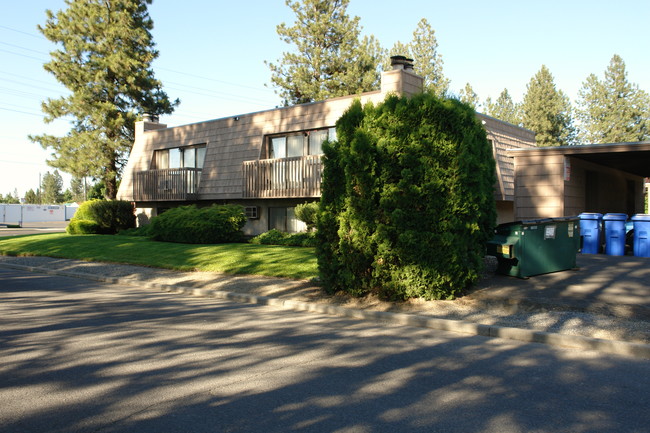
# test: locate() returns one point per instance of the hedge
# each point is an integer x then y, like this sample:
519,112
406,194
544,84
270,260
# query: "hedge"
195,225
276,237
102,217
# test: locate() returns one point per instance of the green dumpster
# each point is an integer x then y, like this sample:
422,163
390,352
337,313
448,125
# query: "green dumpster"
534,247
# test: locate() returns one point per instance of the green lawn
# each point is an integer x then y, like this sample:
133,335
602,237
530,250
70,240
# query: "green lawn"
270,260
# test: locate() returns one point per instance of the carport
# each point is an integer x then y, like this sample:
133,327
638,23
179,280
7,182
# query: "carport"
569,180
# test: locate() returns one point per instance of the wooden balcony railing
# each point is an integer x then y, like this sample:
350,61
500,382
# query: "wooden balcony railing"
172,184
280,178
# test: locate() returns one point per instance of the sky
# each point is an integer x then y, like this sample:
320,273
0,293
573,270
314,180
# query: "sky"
212,55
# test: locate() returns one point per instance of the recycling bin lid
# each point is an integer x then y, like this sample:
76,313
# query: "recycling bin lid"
590,216
615,217
641,217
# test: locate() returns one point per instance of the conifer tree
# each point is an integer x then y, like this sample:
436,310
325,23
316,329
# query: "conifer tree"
103,57
52,187
399,49
329,58
407,199
469,96
504,108
613,110
427,61
547,111
31,197
77,189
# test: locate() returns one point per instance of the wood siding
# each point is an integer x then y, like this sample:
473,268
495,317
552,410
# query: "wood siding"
505,136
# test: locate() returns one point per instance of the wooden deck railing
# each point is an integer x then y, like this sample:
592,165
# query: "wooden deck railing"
280,178
172,184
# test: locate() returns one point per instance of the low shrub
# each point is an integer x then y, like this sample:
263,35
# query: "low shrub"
82,227
194,225
307,213
108,216
276,237
144,231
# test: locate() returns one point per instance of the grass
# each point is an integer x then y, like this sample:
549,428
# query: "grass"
269,260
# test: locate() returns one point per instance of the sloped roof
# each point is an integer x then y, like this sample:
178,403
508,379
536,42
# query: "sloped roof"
633,158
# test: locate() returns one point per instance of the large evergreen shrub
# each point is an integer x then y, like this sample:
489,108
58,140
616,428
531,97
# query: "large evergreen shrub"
195,225
407,199
102,217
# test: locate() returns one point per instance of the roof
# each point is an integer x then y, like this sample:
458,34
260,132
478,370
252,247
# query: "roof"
633,158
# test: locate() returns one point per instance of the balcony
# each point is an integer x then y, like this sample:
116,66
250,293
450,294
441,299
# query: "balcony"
283,178
171,184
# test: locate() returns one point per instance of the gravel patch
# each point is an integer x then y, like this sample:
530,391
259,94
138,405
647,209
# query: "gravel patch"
548,319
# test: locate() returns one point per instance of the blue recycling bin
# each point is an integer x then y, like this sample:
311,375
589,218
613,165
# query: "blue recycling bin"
590,232
615,233
641,229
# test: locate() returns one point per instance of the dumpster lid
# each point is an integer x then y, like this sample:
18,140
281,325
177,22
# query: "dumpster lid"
641,217
540,221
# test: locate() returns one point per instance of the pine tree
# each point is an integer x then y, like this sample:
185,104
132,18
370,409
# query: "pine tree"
469,96
399,49
52,188
427,62
329,59
613,110
504,108
10,198
31,197
103,57
547,111
77,190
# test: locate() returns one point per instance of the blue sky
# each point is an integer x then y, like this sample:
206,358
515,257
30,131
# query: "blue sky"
212,55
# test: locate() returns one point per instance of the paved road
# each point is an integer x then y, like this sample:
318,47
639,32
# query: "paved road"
82,356
34,228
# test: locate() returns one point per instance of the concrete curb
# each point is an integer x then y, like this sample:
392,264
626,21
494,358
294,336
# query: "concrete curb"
624,348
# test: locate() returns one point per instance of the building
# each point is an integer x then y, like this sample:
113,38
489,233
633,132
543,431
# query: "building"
569,180
270,161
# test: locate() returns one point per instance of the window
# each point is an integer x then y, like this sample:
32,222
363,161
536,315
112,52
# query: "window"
295,145
175,158
278,148
251,212
300,144
180,157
